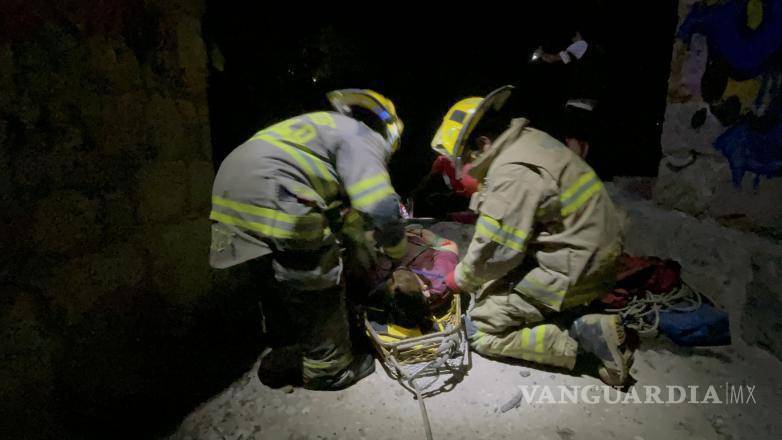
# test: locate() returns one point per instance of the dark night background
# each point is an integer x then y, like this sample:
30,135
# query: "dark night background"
425,65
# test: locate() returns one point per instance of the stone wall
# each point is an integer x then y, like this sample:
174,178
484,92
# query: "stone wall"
105,176
722,137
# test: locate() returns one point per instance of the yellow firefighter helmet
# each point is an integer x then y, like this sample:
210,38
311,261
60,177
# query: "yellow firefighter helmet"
462,118
343,100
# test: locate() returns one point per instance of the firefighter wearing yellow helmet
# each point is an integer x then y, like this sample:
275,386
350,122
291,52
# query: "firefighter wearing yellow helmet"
285,193
545,244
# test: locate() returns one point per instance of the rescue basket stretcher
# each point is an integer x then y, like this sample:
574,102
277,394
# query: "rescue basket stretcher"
409,358
401,352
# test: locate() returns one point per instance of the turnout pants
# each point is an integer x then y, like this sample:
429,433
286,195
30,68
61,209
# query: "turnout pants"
510,325
309,310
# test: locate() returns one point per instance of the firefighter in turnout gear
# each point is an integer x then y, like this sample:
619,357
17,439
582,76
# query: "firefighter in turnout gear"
546,242
284,194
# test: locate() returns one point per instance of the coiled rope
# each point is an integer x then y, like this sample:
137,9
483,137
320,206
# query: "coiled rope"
642,312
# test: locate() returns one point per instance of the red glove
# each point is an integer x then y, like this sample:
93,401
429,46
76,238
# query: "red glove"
441,164
465,186
450,281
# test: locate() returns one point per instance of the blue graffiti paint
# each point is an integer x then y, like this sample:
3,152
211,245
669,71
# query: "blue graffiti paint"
754,146
748,52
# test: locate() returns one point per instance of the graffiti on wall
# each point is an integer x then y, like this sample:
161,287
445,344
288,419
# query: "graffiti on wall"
731,54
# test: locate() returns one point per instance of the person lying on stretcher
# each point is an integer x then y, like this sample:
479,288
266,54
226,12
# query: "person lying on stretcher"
405,298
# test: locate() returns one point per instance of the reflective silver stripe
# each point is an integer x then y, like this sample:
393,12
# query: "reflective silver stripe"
503,235
322,180
579,193
370,190
540,292
266,221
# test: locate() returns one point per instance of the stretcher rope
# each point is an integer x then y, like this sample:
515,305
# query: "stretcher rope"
446,349
642,312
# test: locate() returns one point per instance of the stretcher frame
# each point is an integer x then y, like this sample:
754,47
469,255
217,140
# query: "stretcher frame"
424,356
419,349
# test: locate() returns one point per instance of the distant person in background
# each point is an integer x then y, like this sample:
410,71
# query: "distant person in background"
583,61
581,93
575,51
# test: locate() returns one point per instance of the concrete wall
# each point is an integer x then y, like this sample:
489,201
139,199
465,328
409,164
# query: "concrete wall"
722,137
105,177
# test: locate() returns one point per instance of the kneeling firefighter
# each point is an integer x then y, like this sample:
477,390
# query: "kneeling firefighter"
284,194
545,244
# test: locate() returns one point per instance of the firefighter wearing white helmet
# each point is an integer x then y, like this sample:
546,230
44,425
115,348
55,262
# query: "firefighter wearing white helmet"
285,193
546,242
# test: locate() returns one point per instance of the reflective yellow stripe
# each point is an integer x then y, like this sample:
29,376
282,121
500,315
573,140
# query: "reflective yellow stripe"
483,230
577,194
373,197
334,365
292,141
367,183
306,192
257,210
264,229
506,228
301,135
542,293
478,337
573,188
298,157
510,237
322,119
368,191
538,284
279,224
316,365
531,345
574,205
398,250
324,172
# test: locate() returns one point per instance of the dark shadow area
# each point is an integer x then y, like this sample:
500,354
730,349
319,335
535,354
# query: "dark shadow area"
150,364
265,73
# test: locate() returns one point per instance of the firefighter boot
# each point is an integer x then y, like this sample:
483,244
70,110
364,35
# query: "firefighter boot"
604,336
362,366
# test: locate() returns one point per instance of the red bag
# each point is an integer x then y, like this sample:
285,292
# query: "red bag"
637,275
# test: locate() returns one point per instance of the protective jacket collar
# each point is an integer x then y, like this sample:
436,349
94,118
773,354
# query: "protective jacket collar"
481,165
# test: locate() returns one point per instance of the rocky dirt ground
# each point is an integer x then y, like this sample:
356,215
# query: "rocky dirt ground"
378,407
